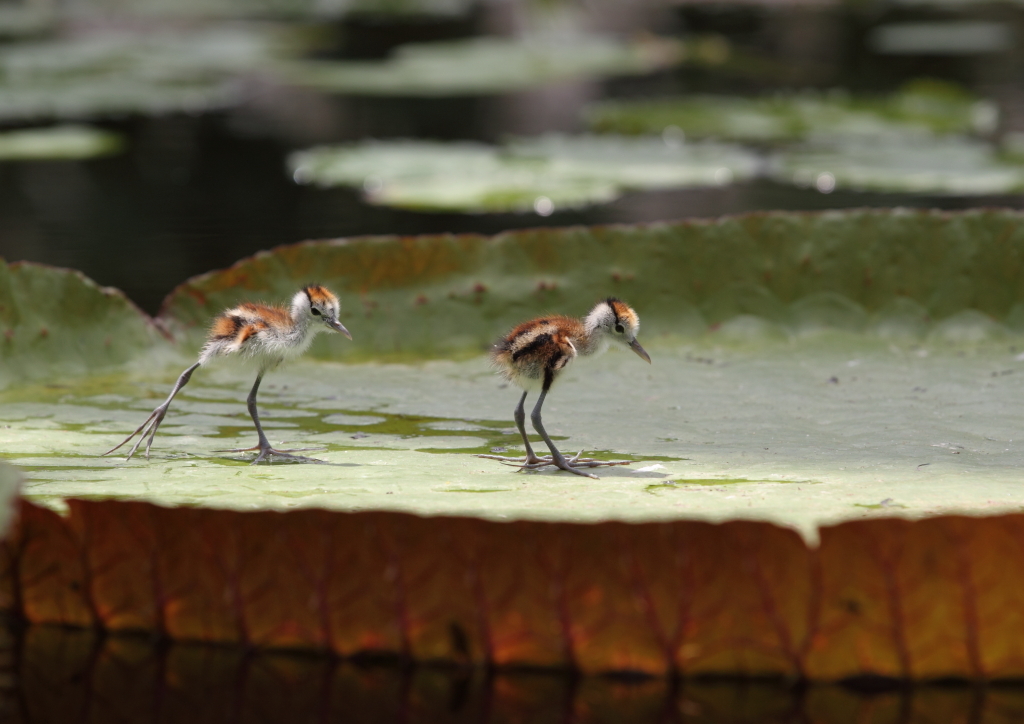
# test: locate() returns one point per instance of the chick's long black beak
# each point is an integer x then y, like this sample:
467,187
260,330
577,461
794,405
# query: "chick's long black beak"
640,351
338,327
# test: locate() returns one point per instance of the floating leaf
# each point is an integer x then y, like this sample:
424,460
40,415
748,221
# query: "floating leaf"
920,107
429,176
415,297
485,65
944,37
930,165
402,437
56,323
59,142
639,163
119,73
25,20
927,599
315,10
857,367
542,175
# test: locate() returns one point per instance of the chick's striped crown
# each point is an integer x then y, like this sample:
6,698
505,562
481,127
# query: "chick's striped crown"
314,302
624,313
613,317
320,296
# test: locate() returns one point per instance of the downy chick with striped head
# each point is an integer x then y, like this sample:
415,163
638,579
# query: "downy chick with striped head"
533,355
266,335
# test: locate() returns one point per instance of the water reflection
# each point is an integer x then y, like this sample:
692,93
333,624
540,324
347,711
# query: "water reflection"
69,676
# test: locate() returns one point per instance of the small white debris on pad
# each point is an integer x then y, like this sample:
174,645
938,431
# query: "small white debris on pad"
650,468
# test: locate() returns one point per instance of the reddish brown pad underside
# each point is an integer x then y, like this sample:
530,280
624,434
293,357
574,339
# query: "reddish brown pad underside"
934,598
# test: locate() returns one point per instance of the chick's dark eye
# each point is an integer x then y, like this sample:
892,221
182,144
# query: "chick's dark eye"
619,329
315,311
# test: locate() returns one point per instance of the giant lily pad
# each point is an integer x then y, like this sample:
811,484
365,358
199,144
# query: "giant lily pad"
486,65
410,297
119,73
814,443
924,106
913,164
57,324
830,394
541,174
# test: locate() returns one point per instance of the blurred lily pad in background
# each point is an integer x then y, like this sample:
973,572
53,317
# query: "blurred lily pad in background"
58,142
541,174
161,71
112,73
277,9
914,164
58,323
17,21
487,65
922,106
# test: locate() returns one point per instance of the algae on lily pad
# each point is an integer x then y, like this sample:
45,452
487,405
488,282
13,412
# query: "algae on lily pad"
922,106
541,174
58,142
116,73
908,164
485,65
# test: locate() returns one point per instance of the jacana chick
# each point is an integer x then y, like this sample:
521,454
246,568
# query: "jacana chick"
265,334
534,353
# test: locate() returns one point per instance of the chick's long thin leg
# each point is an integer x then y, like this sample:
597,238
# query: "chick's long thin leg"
558,460
532,461
152,423
263,446
531,457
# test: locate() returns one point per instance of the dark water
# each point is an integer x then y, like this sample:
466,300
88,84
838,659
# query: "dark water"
78,677
197,193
